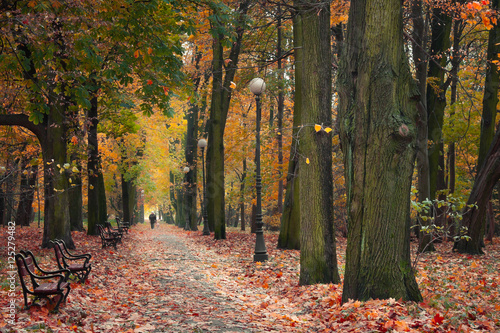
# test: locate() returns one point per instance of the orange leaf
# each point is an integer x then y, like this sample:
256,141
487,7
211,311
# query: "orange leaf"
137,53
150,50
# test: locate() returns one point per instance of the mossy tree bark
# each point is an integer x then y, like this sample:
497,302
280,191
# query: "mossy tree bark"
318,259
242,194
491,85
488,121
377,122
93,168
219,107
480,195
289,237
191,150
441,25
191,154
103,205
419,54
27,184
76,200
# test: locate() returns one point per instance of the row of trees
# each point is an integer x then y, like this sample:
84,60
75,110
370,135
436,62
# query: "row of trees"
76,75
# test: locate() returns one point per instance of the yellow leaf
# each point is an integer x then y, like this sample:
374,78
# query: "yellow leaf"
328,130
307,160
317,128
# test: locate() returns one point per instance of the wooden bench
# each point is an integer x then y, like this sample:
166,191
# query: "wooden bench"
107,238
122,225
78,264
118,232
57,281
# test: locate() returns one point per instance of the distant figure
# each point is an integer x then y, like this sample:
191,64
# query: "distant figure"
152,220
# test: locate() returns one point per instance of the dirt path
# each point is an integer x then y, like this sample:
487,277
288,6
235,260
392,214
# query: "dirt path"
193,301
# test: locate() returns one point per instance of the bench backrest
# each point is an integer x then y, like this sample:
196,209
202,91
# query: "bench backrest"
26,269
59,256
101,230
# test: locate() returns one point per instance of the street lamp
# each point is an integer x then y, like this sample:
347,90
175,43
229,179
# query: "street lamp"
202,143
257,87
142,207
186,183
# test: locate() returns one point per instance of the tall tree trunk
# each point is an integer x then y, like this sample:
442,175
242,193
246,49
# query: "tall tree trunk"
419,54
127,215
215,148
436,96
27,190
481,192
56,217
242,194
75,192
289,236
491,85
491,221
103,206
281,106
10,189
191,152
458,27
93,168
377,121
318,258
173,203
76,199
221,98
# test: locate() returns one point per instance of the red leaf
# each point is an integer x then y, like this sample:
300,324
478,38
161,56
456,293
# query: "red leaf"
438,319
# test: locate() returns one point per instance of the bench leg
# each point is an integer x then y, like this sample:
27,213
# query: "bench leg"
61,297
25,300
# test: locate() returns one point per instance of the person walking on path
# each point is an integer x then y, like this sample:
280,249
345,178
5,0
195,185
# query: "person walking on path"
152,220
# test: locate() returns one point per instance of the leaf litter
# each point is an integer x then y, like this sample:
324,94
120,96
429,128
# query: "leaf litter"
171,280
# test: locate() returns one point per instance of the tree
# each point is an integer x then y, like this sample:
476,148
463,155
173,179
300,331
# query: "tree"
29,174
318,258
377,122
106,52
485,181
441,25
220,101
289,237
477,203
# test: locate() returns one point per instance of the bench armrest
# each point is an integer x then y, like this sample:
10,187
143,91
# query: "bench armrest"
29,253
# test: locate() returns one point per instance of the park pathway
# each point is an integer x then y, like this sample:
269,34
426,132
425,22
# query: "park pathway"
190,297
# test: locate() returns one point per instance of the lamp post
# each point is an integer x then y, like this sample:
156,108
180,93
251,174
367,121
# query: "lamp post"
257,87
141,216
186,184
202,143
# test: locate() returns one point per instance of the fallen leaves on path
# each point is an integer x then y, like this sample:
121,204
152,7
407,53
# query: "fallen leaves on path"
170,280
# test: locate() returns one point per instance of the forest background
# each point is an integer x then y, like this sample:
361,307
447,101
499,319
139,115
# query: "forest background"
105,103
